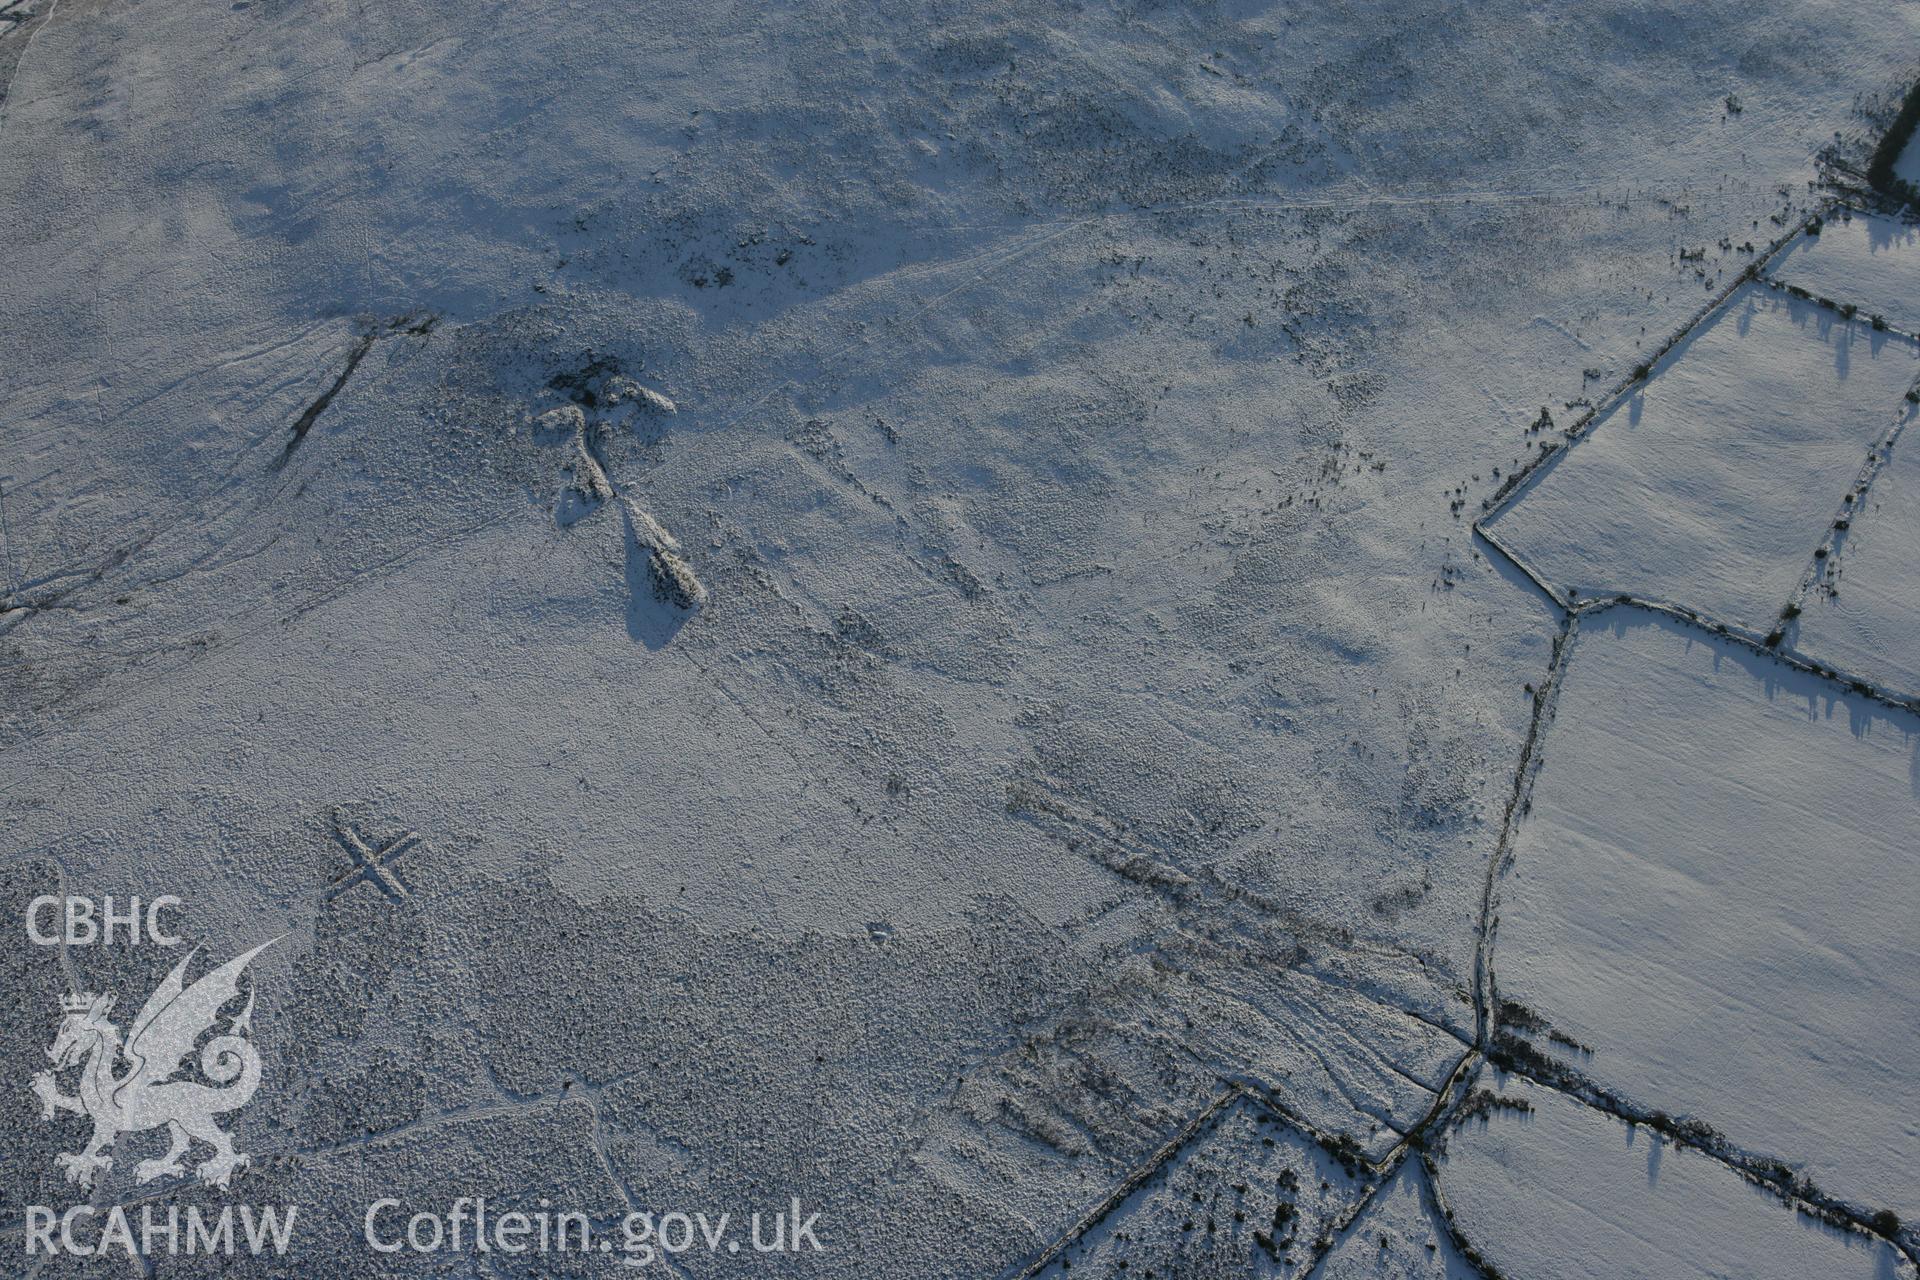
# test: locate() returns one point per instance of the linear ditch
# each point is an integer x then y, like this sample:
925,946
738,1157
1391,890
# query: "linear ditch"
309,416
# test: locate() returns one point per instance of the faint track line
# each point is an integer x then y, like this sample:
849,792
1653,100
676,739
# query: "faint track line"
6,95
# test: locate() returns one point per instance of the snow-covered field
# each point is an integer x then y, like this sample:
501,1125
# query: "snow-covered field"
1862,614
1543,1187
1248,1195
1711,895
882,606
1398,1235
1710,486
1870,262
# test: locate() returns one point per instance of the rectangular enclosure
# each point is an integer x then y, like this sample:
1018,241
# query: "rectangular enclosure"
1711,485
1859,260
1714,893
1543,1186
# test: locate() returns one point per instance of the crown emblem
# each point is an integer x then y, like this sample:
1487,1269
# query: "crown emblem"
77,1004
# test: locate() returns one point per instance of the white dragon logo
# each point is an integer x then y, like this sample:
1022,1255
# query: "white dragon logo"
145,1096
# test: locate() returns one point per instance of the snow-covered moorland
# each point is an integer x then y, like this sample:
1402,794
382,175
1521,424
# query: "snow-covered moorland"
882,606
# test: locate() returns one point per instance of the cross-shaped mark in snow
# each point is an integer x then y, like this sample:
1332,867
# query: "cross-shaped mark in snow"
370,864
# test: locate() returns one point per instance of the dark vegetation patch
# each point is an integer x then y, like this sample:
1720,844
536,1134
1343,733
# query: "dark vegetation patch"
1880,166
